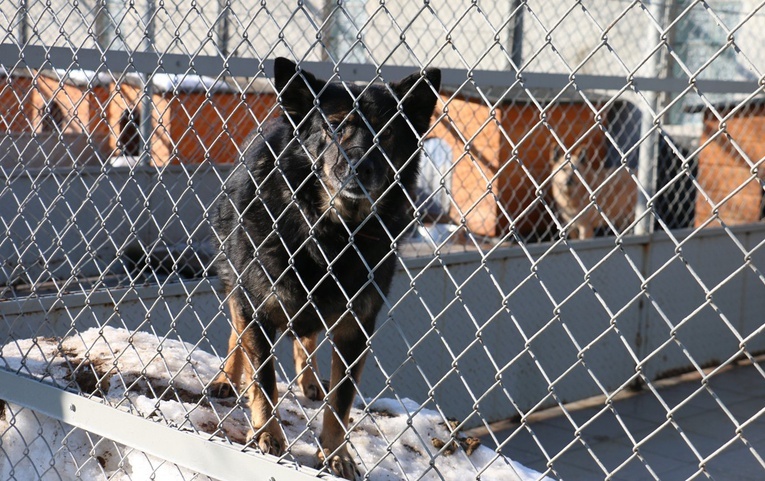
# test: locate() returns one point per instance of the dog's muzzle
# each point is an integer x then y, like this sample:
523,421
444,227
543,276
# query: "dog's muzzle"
366,171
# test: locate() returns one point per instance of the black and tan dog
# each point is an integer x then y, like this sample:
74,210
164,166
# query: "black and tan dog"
306,229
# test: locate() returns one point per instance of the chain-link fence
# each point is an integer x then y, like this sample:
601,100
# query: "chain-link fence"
585,224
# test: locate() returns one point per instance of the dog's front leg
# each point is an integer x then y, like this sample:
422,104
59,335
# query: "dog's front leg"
347,364
306,367
228,380
261,390
254,342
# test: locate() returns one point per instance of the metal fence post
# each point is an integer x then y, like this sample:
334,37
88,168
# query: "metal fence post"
23,28
224,10
649,147
516,46
147,102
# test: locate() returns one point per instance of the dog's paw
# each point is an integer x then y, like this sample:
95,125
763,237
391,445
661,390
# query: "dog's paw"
313,392
268,443
340,464
221,390
313,389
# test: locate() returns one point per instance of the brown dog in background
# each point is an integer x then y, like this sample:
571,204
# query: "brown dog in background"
616,193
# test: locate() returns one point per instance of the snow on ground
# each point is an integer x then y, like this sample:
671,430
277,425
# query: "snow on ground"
164,380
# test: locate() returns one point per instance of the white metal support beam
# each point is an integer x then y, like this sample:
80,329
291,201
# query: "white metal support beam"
209,457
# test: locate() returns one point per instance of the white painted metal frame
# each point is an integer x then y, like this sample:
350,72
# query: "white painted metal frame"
205,456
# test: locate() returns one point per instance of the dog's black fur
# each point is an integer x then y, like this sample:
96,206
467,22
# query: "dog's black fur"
306,228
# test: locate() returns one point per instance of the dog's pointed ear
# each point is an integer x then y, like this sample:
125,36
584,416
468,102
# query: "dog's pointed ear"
418,94
578,155
555,153
296,88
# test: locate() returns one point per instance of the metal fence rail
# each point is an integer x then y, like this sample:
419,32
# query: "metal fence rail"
587,222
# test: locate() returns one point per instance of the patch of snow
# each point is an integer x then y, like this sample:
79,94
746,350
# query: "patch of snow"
163,379
129,161
170,82
189,83
84,77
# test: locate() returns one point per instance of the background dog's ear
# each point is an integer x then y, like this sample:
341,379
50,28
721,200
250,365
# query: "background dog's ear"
296,88
555,153
419,95
578,156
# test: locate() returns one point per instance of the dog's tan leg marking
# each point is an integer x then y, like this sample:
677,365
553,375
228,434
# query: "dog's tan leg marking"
307,370
260,387
245,365
264,415
232,369
338,411
333,430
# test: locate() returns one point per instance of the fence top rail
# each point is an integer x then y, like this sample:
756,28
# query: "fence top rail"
38,57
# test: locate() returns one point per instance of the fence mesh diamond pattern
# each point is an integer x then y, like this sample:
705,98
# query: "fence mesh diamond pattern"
584,230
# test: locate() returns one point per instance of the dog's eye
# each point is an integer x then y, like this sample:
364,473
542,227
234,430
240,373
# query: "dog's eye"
385,134
336,128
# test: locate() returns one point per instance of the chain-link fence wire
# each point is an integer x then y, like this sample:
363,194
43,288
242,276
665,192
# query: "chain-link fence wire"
109,176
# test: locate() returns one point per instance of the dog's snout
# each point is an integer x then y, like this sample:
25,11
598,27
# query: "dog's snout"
365,169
